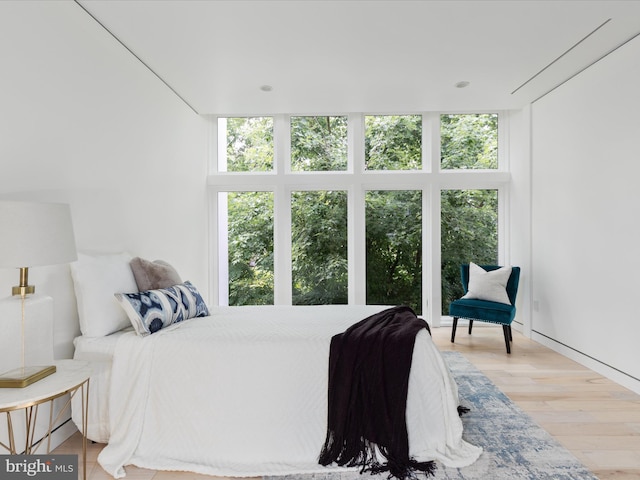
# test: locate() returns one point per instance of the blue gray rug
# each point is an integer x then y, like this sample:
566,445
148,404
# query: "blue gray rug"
515,447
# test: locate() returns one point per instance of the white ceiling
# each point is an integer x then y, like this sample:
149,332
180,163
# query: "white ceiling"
379,56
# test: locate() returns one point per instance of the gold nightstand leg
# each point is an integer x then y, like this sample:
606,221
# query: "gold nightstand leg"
50,424
12,446
85,424
31,417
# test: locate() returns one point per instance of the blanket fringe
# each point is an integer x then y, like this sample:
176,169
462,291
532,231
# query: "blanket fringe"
365,455
403,472
462,410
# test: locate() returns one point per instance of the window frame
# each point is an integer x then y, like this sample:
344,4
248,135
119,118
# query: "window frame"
355,180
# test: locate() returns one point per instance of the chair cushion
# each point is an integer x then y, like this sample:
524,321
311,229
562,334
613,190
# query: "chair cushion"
493,312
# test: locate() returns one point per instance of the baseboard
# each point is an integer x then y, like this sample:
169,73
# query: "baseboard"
594,364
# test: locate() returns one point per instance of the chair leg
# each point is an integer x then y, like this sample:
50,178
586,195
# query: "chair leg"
453,329
507,334
470,326
510,335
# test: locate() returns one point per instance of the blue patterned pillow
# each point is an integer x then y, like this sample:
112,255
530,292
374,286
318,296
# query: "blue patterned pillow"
153,310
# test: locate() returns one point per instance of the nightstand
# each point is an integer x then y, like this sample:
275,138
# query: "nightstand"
72,377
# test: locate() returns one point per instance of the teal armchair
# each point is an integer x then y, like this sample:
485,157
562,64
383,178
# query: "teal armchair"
486,311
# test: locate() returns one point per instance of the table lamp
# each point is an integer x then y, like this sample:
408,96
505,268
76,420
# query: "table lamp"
32,234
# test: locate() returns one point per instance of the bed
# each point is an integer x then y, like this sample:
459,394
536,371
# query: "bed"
243,392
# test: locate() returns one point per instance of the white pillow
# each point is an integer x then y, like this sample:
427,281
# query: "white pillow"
95,279
490,286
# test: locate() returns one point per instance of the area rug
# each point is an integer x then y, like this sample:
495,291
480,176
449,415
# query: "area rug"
515,447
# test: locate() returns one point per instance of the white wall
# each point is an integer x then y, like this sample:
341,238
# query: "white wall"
83,122
519,212
586,228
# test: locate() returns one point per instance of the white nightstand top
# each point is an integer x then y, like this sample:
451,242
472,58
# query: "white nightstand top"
69,375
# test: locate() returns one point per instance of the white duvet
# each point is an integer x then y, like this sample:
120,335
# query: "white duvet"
244,393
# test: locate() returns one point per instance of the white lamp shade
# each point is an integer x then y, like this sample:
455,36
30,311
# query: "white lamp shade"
35,234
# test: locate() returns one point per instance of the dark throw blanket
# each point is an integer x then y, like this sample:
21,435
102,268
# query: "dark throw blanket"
369,368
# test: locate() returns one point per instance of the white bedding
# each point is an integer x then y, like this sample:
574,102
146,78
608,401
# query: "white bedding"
243,393
98,351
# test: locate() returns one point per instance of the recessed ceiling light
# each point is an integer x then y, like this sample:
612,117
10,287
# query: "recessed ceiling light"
266,88
462,84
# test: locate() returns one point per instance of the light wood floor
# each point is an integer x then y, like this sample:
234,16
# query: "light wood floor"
595,418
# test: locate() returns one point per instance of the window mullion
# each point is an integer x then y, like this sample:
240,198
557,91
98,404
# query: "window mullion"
223,248
431,142
433,254
356,213
357,247
282,212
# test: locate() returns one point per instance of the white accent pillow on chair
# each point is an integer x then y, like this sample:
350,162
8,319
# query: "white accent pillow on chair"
490,286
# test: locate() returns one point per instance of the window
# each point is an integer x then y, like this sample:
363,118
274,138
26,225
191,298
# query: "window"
249,240
393,142
343,208
469,141
319,247
318,144
248,146
394,248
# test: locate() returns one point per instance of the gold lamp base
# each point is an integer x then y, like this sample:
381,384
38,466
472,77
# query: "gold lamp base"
24,376
22,291
24,288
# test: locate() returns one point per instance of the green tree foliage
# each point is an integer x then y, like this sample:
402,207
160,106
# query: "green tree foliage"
393,142
394,248
250,230
318,143
469,141
319,247
249,144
